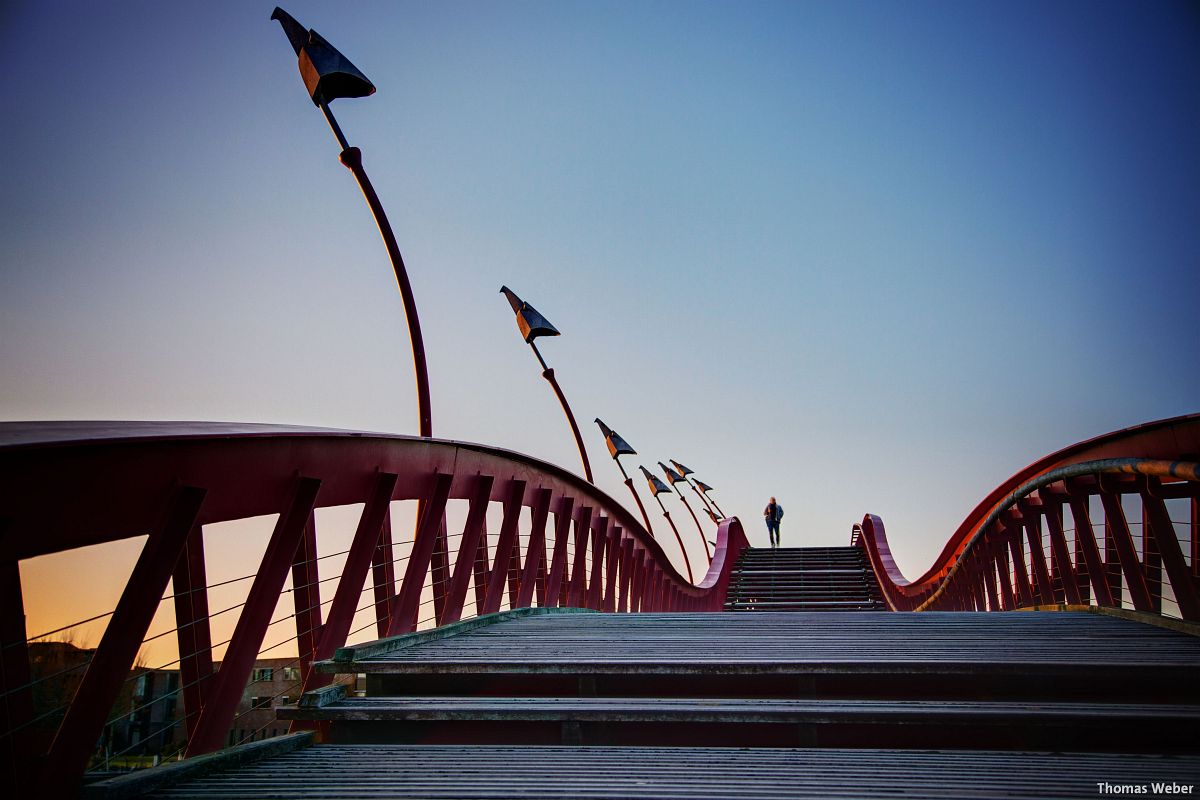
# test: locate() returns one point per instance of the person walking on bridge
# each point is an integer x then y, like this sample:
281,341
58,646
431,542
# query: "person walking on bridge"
773,513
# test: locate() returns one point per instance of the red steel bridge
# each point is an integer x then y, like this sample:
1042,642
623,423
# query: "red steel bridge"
531,638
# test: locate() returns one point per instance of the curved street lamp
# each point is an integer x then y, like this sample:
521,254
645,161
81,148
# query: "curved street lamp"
329,75
656,488
705,488
685,472
532,325
674,478
619,447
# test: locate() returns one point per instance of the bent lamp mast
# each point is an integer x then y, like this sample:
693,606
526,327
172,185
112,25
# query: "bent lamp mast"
532,325
329,75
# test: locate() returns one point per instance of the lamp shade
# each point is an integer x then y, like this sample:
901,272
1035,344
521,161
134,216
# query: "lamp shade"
656,486
681,468
616,445
529,321
327,73
672,476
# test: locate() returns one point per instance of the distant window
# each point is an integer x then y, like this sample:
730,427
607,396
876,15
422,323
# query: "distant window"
263,674
291,673
140,684
260,702
285,700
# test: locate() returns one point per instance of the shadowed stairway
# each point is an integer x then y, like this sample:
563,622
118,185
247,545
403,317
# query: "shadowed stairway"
804,579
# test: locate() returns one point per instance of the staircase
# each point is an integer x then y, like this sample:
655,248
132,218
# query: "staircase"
561,703
804,579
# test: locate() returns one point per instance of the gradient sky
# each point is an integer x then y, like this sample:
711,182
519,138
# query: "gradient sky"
864,256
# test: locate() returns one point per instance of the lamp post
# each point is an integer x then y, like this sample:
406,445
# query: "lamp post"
619,447
705,488
532,325
674,478
656,488
329,75
685,472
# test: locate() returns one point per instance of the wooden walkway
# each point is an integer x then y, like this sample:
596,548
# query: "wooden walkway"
496,772
791,704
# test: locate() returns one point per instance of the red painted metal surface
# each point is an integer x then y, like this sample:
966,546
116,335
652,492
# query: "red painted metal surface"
125,474
352,158
1019,534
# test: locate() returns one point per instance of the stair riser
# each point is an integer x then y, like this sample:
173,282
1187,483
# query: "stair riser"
1129,736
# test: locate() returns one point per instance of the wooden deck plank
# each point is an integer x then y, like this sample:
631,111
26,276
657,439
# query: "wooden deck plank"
407,771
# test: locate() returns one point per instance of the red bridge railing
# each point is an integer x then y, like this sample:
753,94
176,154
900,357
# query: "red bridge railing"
1112,522
559,541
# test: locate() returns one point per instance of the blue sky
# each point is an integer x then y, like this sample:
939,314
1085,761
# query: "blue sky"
867,257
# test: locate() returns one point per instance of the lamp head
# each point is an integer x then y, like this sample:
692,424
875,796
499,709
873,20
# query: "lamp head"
673,477
684,471
616,445
529,321
327,73
704,487
656,486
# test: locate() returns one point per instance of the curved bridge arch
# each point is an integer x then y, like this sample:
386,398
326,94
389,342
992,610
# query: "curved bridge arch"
1011,551
562,542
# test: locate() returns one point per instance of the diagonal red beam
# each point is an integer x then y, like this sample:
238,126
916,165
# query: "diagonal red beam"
354,574
613,556
536,551
433,510
1062,556
1163,531
1020,575
595,579
506,543
578,585
558,562
1118,530
468,549
1085,536
229,682
109,668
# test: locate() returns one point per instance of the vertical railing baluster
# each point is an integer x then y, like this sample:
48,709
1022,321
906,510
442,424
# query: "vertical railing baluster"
439,570
306,596
482,569
1152,561
193,631
383,575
